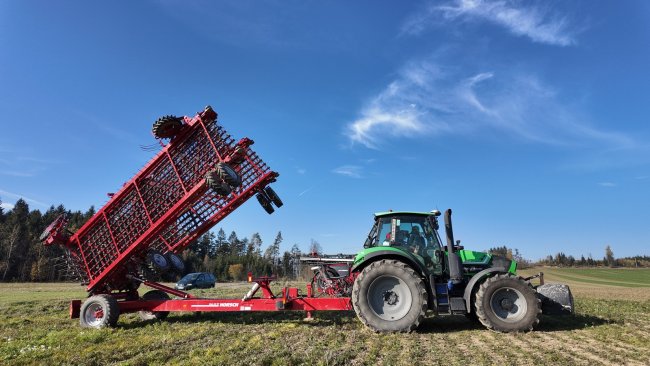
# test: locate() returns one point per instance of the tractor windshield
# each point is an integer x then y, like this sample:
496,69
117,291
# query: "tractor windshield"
414,232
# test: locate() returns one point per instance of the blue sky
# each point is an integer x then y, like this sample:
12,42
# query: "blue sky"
529,119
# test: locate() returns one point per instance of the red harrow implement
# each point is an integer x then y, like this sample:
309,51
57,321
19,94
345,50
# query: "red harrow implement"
199,177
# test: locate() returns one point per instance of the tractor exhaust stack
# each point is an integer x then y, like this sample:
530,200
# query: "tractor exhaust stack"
455,272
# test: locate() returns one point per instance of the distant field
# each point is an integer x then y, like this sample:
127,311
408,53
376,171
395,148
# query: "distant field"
601,283
612,326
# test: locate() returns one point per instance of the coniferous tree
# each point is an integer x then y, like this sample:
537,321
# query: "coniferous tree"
2,213
15,245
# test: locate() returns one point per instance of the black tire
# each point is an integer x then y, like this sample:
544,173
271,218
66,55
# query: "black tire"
214,181
389,296
265,203
228,175
167,127
157,262
154,315
556,299
99,311
273,197
319,281
176,263
506,303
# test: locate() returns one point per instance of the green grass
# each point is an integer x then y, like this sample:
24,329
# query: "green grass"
607,329
606,276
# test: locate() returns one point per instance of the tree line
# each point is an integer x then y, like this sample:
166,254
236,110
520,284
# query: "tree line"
562,260
24,258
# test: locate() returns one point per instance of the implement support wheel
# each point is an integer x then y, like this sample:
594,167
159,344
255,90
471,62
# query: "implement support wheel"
273,197
265,203
154,315
99,311
167,127
228,175
157,262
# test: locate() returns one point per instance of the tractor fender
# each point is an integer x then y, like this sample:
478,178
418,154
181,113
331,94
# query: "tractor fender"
390,254
475,280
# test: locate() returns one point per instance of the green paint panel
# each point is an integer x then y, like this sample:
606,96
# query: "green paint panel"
362,254
513,267
470,256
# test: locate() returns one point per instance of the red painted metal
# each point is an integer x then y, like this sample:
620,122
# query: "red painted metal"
165,206
289,300
236,305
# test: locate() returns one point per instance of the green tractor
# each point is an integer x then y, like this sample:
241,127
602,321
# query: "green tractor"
405,272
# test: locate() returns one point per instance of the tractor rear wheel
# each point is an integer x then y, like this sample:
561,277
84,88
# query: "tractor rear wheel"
388,296
506,303
99,311
151,315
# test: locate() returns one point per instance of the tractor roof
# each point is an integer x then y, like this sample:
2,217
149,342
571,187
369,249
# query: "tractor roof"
402,213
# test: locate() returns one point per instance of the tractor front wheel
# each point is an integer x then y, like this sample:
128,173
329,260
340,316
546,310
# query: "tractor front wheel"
506,303
99,311
388,296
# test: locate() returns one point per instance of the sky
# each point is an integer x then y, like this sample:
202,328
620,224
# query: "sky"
529,119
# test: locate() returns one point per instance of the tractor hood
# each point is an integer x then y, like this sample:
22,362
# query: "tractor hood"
476,261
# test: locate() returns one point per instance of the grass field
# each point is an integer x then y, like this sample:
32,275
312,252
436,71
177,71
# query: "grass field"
612,326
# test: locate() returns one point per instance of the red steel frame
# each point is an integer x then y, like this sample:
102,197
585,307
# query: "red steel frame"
166,205
288,300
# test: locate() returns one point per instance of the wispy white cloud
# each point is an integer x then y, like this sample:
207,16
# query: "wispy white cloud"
17,173
424,100
24,166
4,193
304,192
519,17
607,184
402,109
352,171
7,206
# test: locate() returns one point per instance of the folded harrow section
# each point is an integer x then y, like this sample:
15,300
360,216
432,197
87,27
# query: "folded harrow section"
167,204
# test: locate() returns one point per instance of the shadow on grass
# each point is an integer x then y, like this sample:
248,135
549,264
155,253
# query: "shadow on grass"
574,322
436,324
445,324
320,319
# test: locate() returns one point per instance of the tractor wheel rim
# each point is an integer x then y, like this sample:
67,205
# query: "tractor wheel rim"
94,314
389,298
508,304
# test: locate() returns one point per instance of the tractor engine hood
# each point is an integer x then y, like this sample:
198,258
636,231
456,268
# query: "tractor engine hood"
481,260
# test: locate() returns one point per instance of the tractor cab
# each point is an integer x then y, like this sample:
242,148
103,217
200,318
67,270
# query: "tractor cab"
414,233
